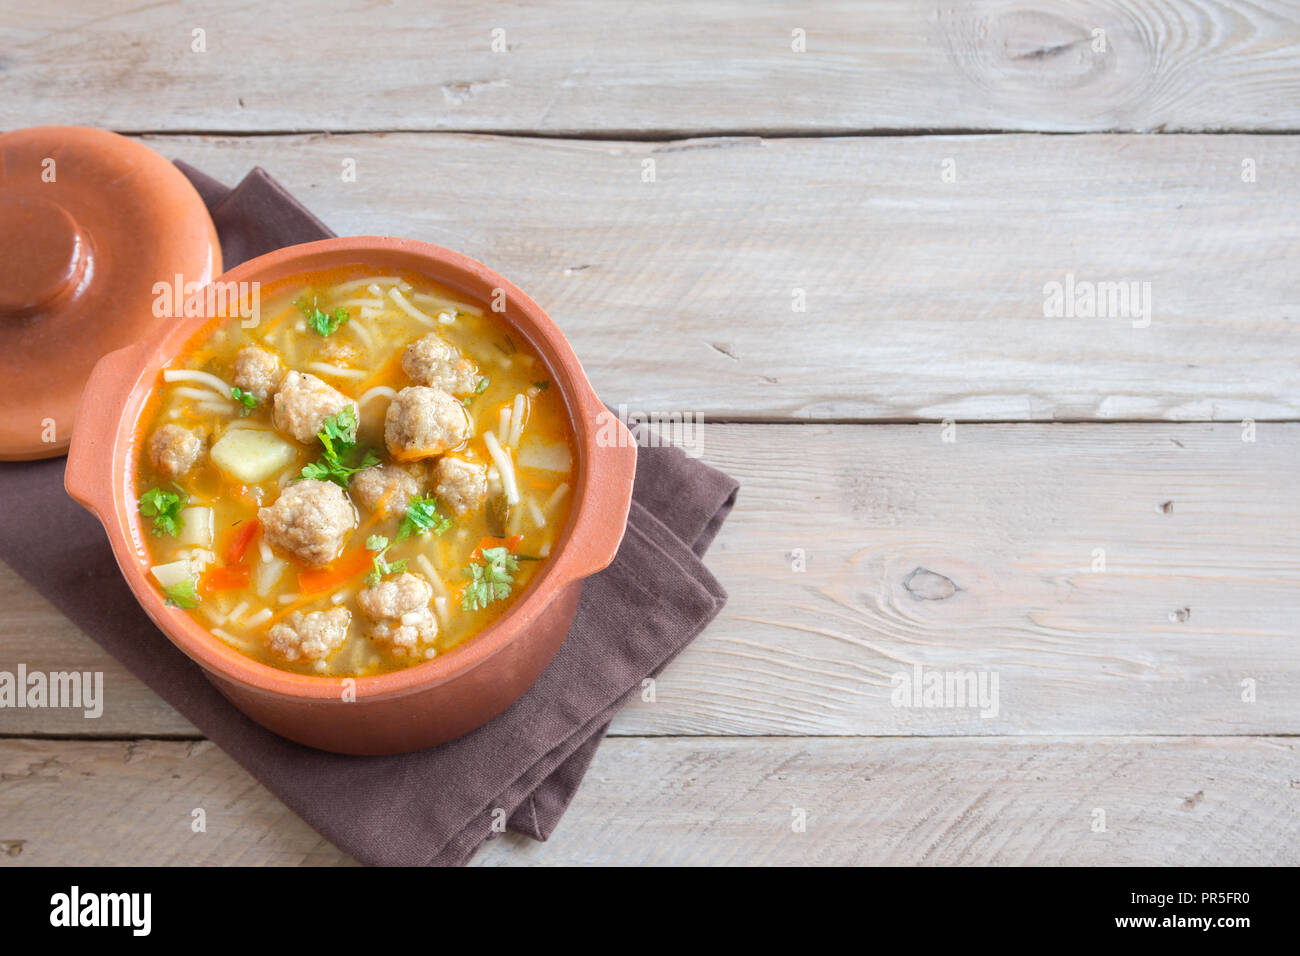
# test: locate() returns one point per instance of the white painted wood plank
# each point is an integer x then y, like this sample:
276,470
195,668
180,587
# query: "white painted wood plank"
1226,801
924,299
35,634
970,556
580,65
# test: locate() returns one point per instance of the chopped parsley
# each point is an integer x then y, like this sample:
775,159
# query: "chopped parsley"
164,507
422,517
338,436
182,594
489,581
322,323
342,428
379,567
542,385
247,399
479,389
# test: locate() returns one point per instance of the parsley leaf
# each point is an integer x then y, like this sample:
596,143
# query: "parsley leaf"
342,428
182,594
338,436
247,399
320,322
489,581
542,385
380,568
165,509
479,389
421,517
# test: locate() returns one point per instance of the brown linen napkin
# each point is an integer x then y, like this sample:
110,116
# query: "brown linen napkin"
435,806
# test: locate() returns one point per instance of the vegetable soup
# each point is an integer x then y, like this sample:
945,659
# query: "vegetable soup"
365,479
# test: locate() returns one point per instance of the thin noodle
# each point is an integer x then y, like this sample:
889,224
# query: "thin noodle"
556,497
261,617
517,420
505,466
409,309
363,333
345,287
185,391
324,368
431,573
190,375
375,392
448,303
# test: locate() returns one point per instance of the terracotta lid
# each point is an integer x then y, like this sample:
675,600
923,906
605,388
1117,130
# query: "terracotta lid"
90,222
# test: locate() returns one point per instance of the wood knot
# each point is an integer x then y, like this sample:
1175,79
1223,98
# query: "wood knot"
926,585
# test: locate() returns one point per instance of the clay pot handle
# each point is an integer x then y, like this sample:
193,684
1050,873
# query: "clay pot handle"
89,475
611,457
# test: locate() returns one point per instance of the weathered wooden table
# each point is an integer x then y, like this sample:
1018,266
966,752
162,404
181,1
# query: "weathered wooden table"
832,232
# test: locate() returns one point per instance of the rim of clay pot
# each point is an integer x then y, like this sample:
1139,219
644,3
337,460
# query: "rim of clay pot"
101,464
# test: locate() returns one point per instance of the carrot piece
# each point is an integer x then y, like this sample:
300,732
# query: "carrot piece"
239,539
511,544
341,571
225,579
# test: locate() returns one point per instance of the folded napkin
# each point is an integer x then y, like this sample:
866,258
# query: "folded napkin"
435,806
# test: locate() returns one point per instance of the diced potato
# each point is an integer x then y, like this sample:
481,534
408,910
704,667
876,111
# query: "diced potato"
252,455
201,558
198,527
544,455
173,572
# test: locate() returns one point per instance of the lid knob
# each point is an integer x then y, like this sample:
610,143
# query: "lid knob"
43,255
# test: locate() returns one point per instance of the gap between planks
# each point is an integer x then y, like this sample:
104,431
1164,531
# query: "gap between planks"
684,135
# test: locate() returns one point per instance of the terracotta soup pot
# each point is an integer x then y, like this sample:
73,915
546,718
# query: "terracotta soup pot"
428,703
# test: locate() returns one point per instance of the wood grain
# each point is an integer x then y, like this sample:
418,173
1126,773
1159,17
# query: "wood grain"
1031,801
924,299
578,66
971,556
857,551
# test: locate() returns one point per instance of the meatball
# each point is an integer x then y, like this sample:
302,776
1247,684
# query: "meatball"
393,597
174,450
403,640
303,402
311,520
434,361
387,488
309,637
257,372
422,422
459,484
399,608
